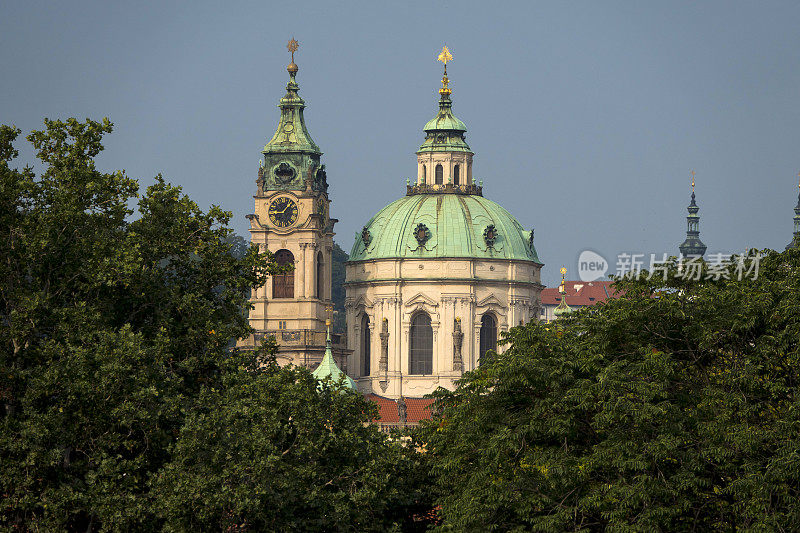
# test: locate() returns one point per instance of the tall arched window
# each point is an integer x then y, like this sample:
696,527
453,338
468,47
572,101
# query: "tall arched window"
456,175
424,174
439,175
283,284
365,345
420,351
488,335
320,277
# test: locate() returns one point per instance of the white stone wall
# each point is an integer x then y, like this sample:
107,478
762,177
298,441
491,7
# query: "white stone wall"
427,161
395,289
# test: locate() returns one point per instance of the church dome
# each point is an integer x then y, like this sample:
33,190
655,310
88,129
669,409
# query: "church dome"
427,226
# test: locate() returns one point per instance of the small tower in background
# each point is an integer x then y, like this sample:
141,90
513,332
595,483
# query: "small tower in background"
562,308
693,246
796,237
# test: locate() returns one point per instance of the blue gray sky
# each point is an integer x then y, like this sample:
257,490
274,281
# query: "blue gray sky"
585,117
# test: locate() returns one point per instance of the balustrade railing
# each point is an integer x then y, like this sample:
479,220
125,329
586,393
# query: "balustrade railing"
446,188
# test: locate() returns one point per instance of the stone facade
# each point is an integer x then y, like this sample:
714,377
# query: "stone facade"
435,278
291,220
455,293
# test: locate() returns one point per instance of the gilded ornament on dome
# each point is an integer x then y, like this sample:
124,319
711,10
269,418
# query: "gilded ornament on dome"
366,237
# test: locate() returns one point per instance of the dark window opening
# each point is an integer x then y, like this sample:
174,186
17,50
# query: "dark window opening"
320,277
421,345
365,346
488,339
283,284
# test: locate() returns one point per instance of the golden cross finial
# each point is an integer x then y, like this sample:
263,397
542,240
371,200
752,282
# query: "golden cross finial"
292,47
445,56
692,180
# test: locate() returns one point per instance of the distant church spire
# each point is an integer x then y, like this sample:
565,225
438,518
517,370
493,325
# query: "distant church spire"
693,246
562,308
328,367
796,237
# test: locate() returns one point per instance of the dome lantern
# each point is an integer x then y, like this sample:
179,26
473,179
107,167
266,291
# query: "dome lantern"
444,161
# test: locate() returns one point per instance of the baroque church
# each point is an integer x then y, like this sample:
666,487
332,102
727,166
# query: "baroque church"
432,280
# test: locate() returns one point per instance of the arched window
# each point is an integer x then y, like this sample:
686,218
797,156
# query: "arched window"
488,335
439,175
320,276
365,345
420,351
456,175
283,284
424,174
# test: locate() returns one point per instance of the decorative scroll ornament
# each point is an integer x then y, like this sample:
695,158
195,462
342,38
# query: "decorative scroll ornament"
530,240
366,237
490,235
422,234
284,173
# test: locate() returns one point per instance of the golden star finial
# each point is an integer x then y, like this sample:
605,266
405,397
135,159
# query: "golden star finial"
692,180
445,55
292,47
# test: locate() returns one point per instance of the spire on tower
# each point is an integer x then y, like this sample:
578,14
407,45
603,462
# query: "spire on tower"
693,246
444,57
444,132
328,367
292,134
562,307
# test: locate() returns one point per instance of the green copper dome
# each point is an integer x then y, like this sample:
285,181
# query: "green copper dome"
428,226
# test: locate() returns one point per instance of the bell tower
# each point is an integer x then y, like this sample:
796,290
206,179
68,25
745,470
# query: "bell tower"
291,220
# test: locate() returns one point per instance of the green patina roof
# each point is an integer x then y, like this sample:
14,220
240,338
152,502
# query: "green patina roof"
456,224
292,134
562,308
444,132
328,368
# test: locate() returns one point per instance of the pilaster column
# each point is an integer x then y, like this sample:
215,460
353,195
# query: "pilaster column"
300,269
310,255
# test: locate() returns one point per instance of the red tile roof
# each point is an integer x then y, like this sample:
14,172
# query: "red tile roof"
416,409
580,293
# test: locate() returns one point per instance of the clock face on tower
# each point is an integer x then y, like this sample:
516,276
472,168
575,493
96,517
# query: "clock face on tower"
282,212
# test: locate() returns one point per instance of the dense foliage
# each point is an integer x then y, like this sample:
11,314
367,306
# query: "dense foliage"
674,408
124,405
